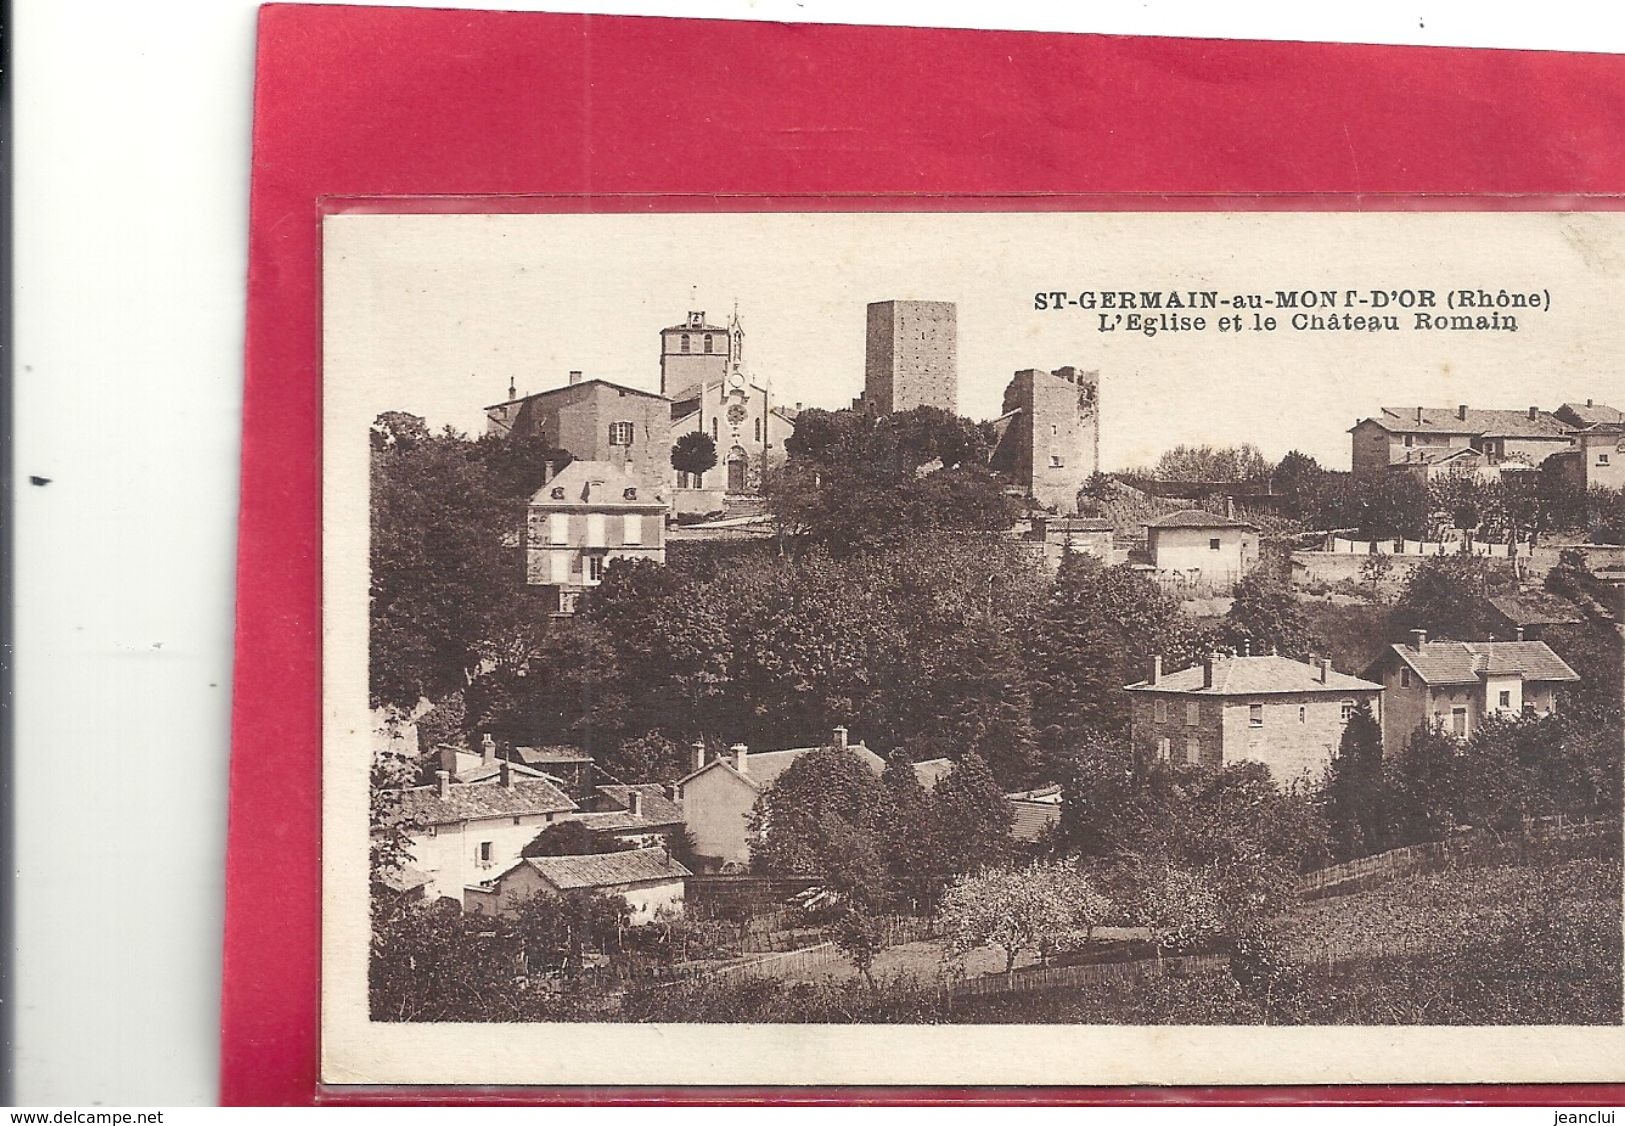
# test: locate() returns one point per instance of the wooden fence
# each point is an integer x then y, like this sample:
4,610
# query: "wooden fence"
1541,836
1043,979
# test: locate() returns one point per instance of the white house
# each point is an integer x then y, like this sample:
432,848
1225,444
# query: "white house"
466,832
648,879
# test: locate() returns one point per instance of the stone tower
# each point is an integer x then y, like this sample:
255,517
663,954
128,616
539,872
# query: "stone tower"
1049,434
911,356
696,352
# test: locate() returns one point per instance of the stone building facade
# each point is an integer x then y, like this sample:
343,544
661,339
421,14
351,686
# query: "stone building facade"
1288,715
596,420
1049,434
911,356
1397,434
577,522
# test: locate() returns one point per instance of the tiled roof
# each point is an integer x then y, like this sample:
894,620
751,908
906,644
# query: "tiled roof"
1463,662
484,770
762,768
1535,608
537,756
1032,818
658,809
573,386
1050,794
1490,423
1196,518
470,801
1429,455
610,869
1589,414
933,770
405,878
1256,676
1078,524
574,478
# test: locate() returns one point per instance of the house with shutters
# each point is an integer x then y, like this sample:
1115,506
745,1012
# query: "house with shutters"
1202,548
648,879
1453,685
1288,715
578,521
1428,440
467,832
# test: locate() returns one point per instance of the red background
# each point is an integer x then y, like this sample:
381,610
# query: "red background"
395,102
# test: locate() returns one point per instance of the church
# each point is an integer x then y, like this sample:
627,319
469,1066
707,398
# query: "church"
702,372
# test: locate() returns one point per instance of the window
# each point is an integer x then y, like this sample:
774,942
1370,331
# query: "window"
595,568
518,820
1164,750
1055,462
595,529
1409,440
632,530
559,566
1255,715
708,342
1458,721
1506,699
434,830
558,527
620,433
1404,678
1303,714
1193,713
683,346
1602,459
758,430
1348,710
1213,544
713,428
1193,749
487,853
1160,711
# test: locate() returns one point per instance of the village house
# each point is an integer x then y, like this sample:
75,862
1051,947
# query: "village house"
569,767
1578,416
717,796
1597,458
577,522
1453,685
464,832
595,420
1202,548
1401,435
1527,614
1288,715
1059,536
1034,812
642,815
648,879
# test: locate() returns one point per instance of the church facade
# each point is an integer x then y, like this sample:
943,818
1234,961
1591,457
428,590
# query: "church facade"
702,372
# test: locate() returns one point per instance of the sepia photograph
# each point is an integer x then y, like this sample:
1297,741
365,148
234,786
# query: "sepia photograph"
995,646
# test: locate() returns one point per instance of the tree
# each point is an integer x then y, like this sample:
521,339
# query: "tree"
694,453
824,812
1297,478
1212,463
1179,906
434,963
1353,796
1100,628
860,937
572,838
973,818
1029,908
1448,596
1265,617
650,757
1423,782
557,930
911,833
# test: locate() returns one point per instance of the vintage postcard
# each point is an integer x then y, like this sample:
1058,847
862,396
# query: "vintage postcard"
972,647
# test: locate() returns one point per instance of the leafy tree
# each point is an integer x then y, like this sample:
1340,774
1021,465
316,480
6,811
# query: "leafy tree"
1212,463
973,818
557,930
571,838
520,464
1031,908
1353,797
390,841
860,937
694,453
442,568
1423,782
1179,905
1297,477
434,963
824,814
1265,617
650,757
1099,630
1448,596
911,833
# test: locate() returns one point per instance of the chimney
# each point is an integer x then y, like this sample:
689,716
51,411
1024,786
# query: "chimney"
698,747
1419,415
839,737
741,755
1156,669
1518,634
448,758
1533,411
1207,670
1419,638
636,804
1589,403
575,377
1461,412
488,749
507,775
1323,666
443,780
513,392
1246,647
671,792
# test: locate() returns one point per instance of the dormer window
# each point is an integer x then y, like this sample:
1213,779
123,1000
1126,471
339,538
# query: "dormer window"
557,493
631,494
